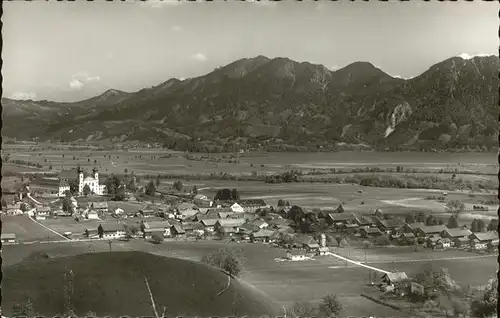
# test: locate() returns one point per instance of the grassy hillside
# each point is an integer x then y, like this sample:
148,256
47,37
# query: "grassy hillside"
112,283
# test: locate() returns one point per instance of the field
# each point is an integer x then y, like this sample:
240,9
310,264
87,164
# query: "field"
26,230
286,282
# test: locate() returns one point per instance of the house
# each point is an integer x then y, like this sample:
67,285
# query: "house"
252,205
248,228
427,231
149,233
260,223
224,215
461,242
186,209
177,231
209,224
43,211
312,247
235,207
162,226
411,227
443,243
100,207
8,237
92,215
301,241
279,223
14,209
262,236
407,239
388,225
202,201
366,221
455,233
393,278
113,231
323,251
119,211
146,212
341,219
229,223
370,232
432,241
227,230
193,228
481,240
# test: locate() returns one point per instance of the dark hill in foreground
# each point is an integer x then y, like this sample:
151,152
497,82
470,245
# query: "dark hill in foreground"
112,283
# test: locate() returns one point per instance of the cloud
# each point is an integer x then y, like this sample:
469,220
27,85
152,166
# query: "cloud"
176,28
76,84
466,56
157,4
23,95
199,57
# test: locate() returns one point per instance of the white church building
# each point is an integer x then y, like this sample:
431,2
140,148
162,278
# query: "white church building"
91,180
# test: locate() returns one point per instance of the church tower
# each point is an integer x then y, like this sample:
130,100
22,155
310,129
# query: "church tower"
80,179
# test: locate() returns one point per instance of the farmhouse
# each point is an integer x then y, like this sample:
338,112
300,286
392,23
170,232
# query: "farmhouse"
407,238
388,225
113,231
224,215
461,242
209,224
43,211
252,205
186,209
260,223
342,219
323,250
426,231
92,215
456,233
263,236
193,228
8,237
176,230
100,207
481,240
370,232
279,223
367,220
149,233
443,243
393,278
235,207
248,228
412,227
229,223
162,226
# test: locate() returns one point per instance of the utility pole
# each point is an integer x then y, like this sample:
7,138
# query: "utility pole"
393,266
109,242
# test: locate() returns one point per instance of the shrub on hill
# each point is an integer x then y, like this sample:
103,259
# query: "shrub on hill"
113,284
225,260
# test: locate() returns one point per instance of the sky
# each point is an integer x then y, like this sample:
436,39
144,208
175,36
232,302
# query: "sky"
69,51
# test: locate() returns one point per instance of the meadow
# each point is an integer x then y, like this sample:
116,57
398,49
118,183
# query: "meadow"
26,230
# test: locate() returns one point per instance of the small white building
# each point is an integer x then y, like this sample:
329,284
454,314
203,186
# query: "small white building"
92,215
8,238
237,208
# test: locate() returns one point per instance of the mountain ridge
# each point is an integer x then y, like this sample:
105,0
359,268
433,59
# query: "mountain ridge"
280,104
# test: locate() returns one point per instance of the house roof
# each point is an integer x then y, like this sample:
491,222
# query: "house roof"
113,227
340,217
157,224
186,206
324,249
395,277
154,229
251,202
462,239
249,227
312,245
263,233
415,225
227,229
192,226
224,215
458,232
303,239
370,230
444,240
43,209
100,205
279,222
432,229
390,223
178,228
208,221
231,222
407,235
366,219
486,236
259,222
8,236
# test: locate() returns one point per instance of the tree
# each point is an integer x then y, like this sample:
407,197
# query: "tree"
235,195
486,306
142,227
73,185
130,231
4,203
150,188
295,214
431,220
100,231
455,207
330,306
132,184
178,185
223,195
474,226
304,309
24,207
195,190
452,222
382,240
340,209
481,226
119,194
492,226
86,190
67,205
421,217
125,171
158,181
281,203
226,260
410,218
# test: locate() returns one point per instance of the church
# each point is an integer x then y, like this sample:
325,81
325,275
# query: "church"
91,180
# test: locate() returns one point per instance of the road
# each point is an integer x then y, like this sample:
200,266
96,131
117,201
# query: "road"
358,263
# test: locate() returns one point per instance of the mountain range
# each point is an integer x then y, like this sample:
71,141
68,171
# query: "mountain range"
282,105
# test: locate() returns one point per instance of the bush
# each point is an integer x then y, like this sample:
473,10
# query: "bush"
330,306
304,309
225,260
383,240
157,239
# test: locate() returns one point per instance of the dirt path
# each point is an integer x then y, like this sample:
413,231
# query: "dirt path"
358,263
429,259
